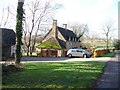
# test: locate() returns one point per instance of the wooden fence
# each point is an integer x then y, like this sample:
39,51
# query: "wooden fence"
97,53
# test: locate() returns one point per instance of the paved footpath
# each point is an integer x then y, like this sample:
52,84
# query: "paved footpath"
111,75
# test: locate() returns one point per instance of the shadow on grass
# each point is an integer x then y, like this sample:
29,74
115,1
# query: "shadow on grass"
55,75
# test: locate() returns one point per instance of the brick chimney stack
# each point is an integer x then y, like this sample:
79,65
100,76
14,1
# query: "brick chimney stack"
55,32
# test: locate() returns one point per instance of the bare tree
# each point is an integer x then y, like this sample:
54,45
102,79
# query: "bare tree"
39,12
4,20
108,28
90,41
7,17
80,30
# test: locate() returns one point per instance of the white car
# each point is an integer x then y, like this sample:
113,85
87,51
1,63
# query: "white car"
78,53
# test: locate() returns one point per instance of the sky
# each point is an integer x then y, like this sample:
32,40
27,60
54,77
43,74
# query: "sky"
91,12
94,13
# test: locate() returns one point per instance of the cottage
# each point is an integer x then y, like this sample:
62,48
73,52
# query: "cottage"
59,39
8,41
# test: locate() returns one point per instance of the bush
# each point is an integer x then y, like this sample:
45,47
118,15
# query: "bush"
117,44
6,69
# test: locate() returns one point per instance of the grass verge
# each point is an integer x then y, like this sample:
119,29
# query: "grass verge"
55,75
111,54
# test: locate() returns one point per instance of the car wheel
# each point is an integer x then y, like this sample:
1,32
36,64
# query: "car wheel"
70,55
84,56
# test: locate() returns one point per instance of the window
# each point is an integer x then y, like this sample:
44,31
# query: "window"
79,51
72,50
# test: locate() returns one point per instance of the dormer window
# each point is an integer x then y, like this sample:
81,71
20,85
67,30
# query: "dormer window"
73,39
69,39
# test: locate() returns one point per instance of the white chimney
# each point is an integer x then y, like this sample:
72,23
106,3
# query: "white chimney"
65,26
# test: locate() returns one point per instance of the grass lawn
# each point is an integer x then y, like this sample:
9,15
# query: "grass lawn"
111,54
55,75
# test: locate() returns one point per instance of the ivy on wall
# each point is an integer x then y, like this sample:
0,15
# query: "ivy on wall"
19,30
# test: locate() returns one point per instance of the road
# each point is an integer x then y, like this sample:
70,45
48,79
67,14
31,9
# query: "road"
26,59
63,59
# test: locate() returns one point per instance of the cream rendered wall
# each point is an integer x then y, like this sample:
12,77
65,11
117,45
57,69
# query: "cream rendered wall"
71,44
60,36
51,34
59,52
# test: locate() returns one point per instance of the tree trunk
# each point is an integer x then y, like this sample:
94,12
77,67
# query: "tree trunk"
107,43
27,51
19,31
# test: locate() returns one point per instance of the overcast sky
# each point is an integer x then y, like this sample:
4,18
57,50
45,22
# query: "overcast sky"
91,12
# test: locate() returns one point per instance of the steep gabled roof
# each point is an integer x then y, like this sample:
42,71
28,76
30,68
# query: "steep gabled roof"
67,33
61,43
8,37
